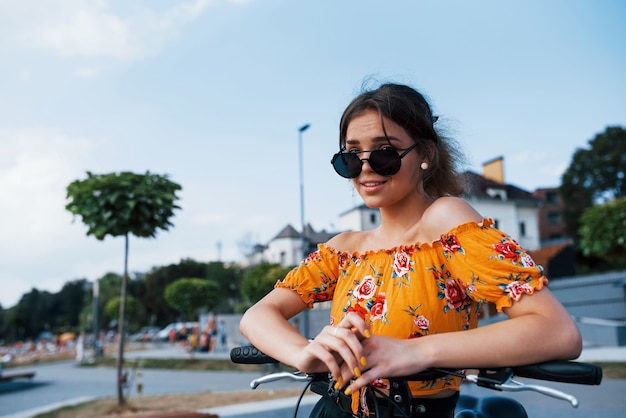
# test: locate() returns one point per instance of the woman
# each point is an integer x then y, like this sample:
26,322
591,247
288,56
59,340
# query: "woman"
406,295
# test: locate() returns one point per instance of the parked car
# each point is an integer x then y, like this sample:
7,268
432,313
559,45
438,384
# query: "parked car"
164,334
145,334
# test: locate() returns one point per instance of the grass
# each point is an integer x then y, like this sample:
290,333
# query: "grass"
613,370
177,364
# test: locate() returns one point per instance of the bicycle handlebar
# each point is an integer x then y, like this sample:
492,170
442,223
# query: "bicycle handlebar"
555,371
562,371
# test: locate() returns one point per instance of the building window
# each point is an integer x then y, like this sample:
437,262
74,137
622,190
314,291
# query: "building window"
522,229
283,258
496,224
373,219
552,198
554,218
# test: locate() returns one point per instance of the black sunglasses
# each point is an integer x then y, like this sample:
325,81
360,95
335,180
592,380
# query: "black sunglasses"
385,162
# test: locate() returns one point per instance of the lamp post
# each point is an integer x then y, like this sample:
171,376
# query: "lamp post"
96,331
303,237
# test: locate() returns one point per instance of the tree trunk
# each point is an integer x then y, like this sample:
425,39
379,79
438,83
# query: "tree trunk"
121,331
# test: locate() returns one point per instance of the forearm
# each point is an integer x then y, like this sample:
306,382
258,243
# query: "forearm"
267,327
538,329
522,340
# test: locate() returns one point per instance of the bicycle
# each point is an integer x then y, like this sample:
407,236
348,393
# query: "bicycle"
397,403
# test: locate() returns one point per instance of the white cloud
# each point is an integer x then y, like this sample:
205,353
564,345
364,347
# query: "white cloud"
86,72
36,167
96,29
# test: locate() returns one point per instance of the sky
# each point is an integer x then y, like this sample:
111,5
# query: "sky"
212,93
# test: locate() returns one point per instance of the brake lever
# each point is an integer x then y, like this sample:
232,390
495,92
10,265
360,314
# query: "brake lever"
297,376
512,385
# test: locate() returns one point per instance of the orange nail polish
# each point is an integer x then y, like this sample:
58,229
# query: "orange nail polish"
357,372
348,391
367,333
363,361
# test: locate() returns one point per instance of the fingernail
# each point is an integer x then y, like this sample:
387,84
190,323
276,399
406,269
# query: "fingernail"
339,383
367,333
357,372
363,361
348,391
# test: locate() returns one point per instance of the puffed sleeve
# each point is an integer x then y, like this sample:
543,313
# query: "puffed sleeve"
490,265
316,276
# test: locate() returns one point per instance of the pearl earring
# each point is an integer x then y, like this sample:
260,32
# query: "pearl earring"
424,166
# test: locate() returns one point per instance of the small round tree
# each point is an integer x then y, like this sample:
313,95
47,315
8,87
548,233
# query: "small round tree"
119,204
187,295
603,230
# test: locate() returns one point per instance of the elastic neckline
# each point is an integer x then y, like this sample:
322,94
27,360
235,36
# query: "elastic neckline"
459,229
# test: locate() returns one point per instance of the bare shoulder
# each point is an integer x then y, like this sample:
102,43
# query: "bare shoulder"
346,241
446,213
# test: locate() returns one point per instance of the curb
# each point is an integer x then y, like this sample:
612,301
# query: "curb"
275,408
51,407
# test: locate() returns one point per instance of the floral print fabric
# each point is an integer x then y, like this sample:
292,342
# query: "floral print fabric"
422,289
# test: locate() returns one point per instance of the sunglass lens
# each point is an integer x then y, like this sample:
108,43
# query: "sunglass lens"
347,165
385,162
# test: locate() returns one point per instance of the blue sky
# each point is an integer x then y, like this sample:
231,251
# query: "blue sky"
212,93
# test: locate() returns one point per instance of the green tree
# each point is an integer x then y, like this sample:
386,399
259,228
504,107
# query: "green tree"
188,295
134,311
603,231
67,304
157,280
120,204
229,280
32,314
260,280
595,175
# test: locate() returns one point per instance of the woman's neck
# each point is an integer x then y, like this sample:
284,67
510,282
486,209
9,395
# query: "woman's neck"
401,224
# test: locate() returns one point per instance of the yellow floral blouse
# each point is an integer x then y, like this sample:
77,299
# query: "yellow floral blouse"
423,289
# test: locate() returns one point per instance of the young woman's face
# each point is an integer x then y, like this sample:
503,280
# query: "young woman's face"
365,132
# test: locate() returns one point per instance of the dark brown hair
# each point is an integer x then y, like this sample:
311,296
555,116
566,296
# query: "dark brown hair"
410,110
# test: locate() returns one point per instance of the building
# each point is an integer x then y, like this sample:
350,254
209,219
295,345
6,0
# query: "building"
551,224
286,248
513,210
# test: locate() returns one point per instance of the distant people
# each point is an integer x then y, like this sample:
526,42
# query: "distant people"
194,338
183,335
80,348
172,336
211,328
221,332
205,342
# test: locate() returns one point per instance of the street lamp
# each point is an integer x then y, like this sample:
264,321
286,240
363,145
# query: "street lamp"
300,130
96,331
303,237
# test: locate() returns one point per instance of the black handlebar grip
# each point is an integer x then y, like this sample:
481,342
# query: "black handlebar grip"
248,354
562,371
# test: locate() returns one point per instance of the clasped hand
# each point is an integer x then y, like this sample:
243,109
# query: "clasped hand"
353,356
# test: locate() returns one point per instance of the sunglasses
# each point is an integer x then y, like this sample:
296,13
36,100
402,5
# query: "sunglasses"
385,162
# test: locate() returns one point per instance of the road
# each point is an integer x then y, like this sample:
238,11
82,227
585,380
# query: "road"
63,382
60,383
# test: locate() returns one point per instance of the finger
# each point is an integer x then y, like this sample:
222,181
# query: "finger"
349,348
320,351
357,324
